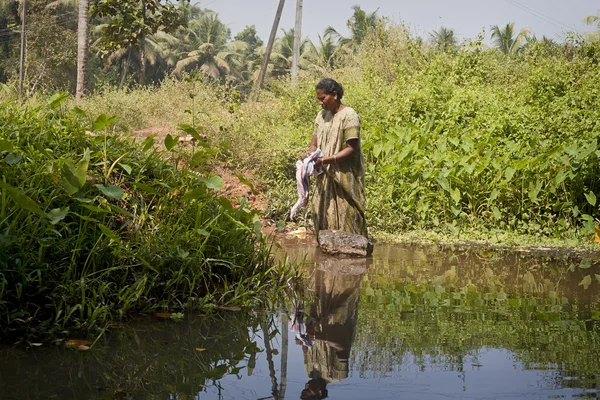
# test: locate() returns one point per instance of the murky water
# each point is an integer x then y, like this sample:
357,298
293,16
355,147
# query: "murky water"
410,323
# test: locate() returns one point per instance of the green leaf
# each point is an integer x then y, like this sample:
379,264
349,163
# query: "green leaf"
443,182
585,263
246,182
190,130
79,112
226,204
110,234
57,214
102,122
148,142
170,142
509,173
195,194
455,194
126,168
86,218
5,145
586,282
591,198
56,100
145,188
22,199
74,176
214,182
114,192
120,210
497,213
12,158
494,195
534,190
95,209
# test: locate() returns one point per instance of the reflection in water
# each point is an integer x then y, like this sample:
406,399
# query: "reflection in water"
413,323
326,328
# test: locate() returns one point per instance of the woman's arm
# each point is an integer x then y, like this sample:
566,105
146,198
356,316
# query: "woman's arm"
351,146
313,145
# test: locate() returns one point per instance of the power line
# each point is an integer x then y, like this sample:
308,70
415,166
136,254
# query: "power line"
7,37
544,17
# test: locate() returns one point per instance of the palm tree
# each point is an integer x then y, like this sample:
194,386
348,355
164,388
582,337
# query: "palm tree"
211,53
325,54
360,24
593,20
281,57
506,40
443,39
132,56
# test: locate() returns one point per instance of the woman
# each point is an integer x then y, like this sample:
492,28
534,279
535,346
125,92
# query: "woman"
338,201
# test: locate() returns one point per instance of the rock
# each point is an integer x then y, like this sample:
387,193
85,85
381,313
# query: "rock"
346,243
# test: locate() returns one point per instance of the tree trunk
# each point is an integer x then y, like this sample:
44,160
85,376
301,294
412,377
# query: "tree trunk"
125,68
265,63
82,48
297,40
142,52
142,79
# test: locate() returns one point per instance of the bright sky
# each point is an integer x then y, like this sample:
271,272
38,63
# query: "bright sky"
551,18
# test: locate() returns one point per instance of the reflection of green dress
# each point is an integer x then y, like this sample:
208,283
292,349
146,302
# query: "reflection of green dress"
338,201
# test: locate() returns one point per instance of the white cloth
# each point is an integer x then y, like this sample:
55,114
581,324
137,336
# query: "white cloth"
304,169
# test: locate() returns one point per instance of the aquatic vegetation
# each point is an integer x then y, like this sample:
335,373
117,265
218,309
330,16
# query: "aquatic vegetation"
94,226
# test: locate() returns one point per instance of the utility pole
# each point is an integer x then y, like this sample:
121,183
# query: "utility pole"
263,68
82,48
297,40
22,62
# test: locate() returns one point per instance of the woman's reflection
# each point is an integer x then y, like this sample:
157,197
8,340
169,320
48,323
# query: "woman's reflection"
326,329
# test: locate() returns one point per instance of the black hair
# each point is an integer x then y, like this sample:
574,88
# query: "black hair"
329,86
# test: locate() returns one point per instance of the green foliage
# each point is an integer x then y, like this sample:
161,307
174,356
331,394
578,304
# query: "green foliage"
466,141
131,21
93,227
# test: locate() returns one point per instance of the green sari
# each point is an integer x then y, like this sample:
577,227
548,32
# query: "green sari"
338,201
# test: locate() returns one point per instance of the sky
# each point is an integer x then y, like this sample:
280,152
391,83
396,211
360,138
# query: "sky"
468,18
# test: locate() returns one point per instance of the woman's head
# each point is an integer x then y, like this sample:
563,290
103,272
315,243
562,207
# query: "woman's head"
329,94
330,86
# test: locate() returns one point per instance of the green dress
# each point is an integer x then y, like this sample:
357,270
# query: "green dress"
338,201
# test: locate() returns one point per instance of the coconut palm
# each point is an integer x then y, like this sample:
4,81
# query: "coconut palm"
324,55
593,20
207,37
131,56
282,55
443,39
360,24
506,40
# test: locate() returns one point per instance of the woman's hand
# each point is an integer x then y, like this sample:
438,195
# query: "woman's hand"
319,162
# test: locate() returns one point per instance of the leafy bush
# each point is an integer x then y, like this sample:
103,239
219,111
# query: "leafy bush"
94,226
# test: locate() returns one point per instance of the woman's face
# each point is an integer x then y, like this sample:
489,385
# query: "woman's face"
328,101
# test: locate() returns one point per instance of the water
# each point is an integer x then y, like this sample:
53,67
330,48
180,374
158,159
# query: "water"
410,323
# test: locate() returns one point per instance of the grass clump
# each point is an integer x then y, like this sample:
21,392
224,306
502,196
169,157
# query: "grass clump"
94,226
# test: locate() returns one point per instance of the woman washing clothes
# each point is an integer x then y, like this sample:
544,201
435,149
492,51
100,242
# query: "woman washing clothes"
338,201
